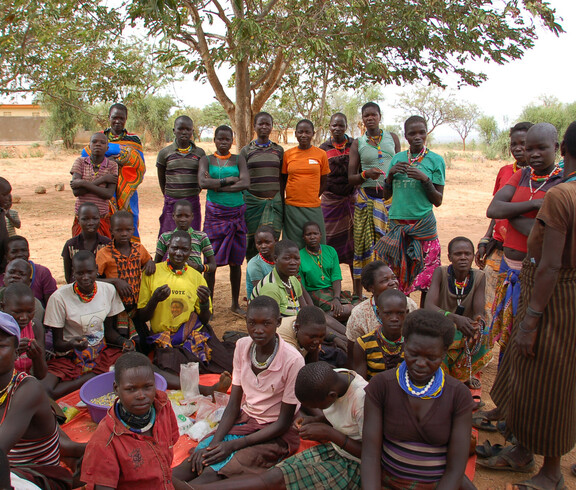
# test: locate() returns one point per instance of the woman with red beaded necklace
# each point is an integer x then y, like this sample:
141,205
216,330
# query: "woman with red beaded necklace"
519,201
262,264
225,176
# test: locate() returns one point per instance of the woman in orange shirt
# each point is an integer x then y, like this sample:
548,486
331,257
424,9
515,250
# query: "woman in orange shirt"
304,176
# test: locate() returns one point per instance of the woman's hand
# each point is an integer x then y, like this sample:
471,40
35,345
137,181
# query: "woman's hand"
34,350
416,174
203,294
526,336
480,257
316,432
128,345
150,267
219,452
465,325
336,307
196,461
124,289
161,293
398,168
373,173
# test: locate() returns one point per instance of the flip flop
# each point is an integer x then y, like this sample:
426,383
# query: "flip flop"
529,485
478,403
488,450
480,422
492,463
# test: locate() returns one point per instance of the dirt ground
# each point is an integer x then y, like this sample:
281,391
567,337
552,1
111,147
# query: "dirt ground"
47,220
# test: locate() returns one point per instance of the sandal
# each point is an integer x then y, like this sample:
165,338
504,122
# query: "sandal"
488,450
478,403
495,462
529,485
481,422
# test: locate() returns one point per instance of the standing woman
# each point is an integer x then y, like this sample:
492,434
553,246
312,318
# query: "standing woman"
126,149
304,176
534,387
415,181
263,198
370,157
339,196
225,176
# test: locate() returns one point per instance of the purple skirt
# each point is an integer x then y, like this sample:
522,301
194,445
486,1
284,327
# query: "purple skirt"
227,230
167,222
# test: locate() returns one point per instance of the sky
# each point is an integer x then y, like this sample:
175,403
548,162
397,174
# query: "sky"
510,87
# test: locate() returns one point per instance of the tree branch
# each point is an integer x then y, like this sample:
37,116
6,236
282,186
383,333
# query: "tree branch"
267,9
270,85
221,13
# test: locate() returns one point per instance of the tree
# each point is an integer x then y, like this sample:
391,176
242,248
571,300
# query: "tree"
464,120
430,103
358,42
488,129
551,111
150,114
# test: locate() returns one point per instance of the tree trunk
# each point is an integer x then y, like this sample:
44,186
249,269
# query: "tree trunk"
243,112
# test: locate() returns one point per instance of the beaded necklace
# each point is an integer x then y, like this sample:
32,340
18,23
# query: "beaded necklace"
269,262
221,162
262,145
341,146
114,137
178,272
185,151
460,287
263,365
122,414
96,167
414,162
433,389
223,157
292,298
571,177
85,298
541,178
389,346
373,142
317,258
4,392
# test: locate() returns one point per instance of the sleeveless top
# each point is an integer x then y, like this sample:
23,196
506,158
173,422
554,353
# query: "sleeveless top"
447,299
369,157
228,199
23,363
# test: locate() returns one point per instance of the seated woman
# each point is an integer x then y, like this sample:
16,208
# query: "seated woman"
140,422
383,348
417,420
321,275
257,429
376,277
83,318
262,263
457,291
176,302
28,429
19,302
305,333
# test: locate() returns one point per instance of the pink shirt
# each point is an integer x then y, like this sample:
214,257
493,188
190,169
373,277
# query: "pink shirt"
83,166
264,394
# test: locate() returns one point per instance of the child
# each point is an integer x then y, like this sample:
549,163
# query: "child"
225,176
133,445
121,263
88,239
18,302
199,242
83,319
11,215
43,283
176,302
5,202
177,166
256,430
261,264
305,333
417,419
321,275
376,278
383,348
28,429
94,179
457,291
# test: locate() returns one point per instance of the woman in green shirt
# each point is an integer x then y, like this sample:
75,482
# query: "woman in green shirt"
225,176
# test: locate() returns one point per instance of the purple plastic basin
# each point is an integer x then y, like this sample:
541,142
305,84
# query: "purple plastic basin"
102,385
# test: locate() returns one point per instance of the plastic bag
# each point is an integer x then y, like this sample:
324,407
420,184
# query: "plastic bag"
221,399
199,430
184,424
205,408
189,378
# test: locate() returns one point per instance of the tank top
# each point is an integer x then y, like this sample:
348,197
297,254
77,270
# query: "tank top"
369,157
228,199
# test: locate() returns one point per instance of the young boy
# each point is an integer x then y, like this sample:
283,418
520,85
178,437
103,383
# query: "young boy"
383,348
82,316
28,429
94,179
199,241
88,239
18,302
121,263
305,333
177,167
43,283
133,445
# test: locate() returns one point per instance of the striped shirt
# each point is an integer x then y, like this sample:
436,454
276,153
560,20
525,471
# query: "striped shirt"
181,170
378,358
264,166
272,286
83,167
199,244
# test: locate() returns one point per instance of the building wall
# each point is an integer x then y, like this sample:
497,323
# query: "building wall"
18,128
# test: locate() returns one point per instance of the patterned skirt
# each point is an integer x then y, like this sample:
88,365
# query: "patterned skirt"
226,230
338,214
294,219
167,221
537,396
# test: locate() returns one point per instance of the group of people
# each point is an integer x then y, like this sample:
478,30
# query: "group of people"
382,384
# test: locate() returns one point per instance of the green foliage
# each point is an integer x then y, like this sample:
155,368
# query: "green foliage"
551,111
432,103
449,156
213,115
64,120
499,149
464,117
488,129
150,114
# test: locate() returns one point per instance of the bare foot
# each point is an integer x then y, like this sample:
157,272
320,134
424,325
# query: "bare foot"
473,384
223,383
238,311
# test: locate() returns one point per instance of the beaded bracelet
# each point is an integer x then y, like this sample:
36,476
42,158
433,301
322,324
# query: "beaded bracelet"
363,175
484,241
446,313
205,268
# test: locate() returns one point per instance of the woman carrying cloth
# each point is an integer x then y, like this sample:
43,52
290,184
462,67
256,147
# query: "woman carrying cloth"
519,201
534,388
370,157
263,198
126,150
416,180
